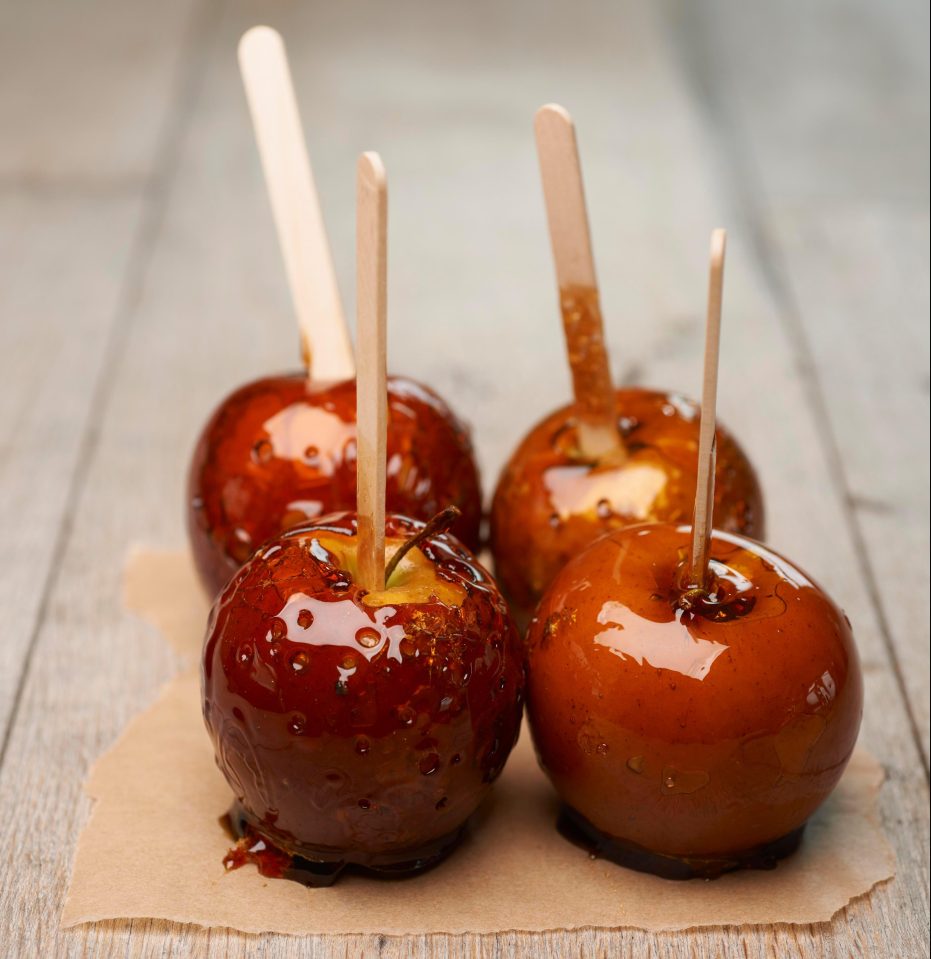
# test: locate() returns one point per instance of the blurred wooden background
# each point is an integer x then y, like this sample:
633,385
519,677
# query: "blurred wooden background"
140,280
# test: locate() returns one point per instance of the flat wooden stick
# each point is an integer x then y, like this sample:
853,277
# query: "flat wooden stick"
326,344
371,381
570,237
707,442
434,527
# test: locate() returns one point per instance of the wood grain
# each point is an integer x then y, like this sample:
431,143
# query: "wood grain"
47,400
870,271
469,294
829,166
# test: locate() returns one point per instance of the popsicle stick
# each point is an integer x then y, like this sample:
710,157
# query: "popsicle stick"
371,381
707,442
326,344
570,237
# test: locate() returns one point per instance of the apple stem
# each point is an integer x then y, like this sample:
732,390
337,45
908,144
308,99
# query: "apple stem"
439,524
707,442
570,237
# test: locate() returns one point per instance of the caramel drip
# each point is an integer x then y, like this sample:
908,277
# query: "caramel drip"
591,374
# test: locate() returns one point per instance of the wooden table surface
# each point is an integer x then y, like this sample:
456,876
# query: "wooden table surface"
140,281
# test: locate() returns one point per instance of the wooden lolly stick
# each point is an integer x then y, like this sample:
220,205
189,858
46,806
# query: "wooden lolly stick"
570,237
326,344
371,381
707,442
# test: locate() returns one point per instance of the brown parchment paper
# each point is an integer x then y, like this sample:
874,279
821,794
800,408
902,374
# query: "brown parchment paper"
153,847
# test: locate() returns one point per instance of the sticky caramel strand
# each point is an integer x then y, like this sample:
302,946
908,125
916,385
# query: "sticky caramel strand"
439,524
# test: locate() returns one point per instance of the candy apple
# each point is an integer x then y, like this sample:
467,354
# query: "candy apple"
690,730
611,458
281,451
553,499
359,727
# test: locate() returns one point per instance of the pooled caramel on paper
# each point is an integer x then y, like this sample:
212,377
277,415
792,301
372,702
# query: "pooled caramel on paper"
153,847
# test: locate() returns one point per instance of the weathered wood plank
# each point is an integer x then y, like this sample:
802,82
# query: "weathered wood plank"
63,257
86,87
68,248
473,311
861,279
824,131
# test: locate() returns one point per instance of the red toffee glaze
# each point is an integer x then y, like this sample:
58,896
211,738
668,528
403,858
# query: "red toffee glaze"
352,732
281,451
697,733
550,503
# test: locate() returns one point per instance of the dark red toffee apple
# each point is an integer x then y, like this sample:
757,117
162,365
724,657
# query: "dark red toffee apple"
694,697
353,726
282,451
611,458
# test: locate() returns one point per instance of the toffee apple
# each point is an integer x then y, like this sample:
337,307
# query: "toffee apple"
553,499
363,679
610,458
688,731
359,727
281,451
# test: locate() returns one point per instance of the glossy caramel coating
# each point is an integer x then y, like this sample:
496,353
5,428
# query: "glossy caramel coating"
697,731
551,502
358,727
280,451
